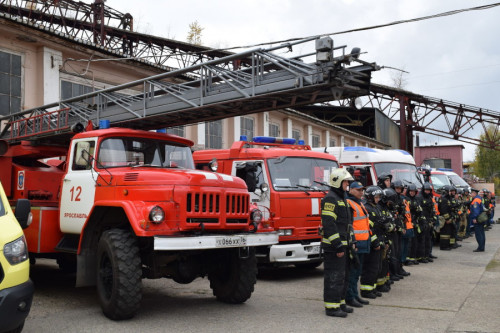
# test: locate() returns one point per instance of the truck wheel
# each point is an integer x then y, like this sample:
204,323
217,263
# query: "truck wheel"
119,274
232,278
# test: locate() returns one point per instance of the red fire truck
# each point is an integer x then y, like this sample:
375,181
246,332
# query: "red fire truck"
122,205
287,182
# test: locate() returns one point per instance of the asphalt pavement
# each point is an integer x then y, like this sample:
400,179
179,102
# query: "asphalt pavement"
458,292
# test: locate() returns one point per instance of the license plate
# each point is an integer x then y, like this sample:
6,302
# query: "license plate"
231,241
312,249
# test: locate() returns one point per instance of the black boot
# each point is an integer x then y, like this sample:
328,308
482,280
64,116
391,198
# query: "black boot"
346,308
362,301
353,302
337,312
368,294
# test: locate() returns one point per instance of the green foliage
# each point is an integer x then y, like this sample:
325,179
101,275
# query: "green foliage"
194,34
487,161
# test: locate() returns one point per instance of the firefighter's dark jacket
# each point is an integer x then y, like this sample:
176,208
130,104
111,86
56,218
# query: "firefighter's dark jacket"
445,207
335,219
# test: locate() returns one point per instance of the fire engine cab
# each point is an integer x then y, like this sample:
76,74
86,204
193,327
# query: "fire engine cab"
287,182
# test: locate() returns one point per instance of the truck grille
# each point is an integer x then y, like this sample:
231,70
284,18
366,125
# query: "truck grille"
217,207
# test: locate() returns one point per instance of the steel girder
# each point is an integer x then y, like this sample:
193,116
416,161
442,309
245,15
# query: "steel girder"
431,115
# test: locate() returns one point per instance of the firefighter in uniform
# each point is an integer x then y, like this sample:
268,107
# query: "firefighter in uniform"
371,265
361,230
413,206
426,223
476,208
399,210
385,204
455,217
335,221
446,219
487,207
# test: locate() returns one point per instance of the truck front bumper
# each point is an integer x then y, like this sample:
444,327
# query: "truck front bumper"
214,241
15,304
291,253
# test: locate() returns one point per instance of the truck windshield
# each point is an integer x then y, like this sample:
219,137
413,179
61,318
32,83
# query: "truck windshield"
299,173
439,181
458,181
120,152
407,173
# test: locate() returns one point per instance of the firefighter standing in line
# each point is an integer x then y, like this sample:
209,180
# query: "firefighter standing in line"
409,249
476,208
401,227
455,216
361,228
335,220
446,219
371,266
426,223
385,204
487,207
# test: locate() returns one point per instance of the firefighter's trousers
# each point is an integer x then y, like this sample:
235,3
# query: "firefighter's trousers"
336,272
371,267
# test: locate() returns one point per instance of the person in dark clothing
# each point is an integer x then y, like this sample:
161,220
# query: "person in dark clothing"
336,219
476,208
425,223
446,219
416,212
372,261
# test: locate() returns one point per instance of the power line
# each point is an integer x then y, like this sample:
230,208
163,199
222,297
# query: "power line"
372,27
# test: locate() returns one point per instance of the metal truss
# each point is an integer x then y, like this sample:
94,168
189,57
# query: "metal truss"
431,115
101,26
271,82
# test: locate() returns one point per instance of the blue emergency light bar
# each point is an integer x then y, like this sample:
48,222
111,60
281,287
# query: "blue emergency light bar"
444,169
161,130
269,139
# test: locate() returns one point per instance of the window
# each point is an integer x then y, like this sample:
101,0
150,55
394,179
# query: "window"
333,142
70,89
274,130
296,134
177,130
315,141
438,163
246,127
82,155
10,83
213,134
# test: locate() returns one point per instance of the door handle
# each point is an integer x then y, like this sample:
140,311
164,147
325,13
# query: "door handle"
67,180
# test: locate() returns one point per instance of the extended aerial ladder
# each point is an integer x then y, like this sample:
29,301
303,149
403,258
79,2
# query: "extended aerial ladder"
271,82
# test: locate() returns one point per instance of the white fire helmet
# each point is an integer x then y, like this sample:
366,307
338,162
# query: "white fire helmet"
338,176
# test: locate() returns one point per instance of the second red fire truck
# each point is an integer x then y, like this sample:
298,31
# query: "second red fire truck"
287,182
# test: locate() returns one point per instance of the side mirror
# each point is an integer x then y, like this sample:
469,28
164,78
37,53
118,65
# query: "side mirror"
213,165
23,213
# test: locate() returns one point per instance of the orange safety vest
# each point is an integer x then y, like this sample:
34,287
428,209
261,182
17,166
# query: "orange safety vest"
361,223
409,225
435,206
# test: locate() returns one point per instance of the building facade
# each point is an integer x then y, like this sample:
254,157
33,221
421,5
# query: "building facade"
38,67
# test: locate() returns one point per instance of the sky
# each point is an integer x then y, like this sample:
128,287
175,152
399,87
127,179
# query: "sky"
455,58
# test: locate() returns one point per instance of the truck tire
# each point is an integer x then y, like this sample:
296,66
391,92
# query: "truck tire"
119,274
232,278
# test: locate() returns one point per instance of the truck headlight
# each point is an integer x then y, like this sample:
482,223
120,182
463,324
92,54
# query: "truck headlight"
285,232
157,215
17,251
256,216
